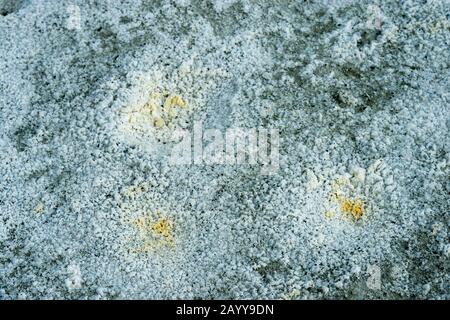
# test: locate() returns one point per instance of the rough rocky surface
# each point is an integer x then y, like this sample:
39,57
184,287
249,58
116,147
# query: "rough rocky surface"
359,91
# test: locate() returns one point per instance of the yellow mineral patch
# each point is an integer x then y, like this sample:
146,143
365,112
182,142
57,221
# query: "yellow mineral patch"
173,101
348,206
440,25
328,214
151,233
162,227
136,190
161,112
348,203
39,208
158,111
158,122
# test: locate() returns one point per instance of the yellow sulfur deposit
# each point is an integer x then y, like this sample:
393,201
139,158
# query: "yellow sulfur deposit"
162,227
348,206
158,111
39,208
152,233
136,190
328,214
174,101
351,207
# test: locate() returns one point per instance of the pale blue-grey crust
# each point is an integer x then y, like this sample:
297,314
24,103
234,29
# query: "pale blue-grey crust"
359,92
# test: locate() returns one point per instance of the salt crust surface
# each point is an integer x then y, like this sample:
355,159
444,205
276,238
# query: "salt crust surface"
358,90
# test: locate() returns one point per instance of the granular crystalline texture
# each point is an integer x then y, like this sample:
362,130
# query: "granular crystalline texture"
95,95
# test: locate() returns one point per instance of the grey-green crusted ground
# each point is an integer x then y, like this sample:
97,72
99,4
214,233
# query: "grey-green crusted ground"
359,91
